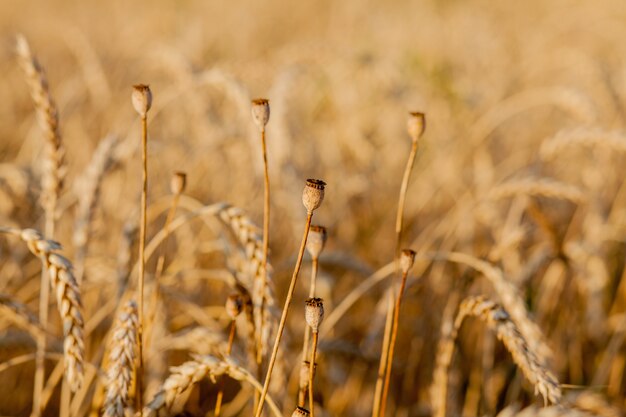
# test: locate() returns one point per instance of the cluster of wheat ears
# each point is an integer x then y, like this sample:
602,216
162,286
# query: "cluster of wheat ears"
114,362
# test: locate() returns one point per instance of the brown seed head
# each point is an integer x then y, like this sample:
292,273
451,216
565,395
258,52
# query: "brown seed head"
416,125
142,99
234,305
178,183
300,412
313,194
314,313
316,241
261,112
407,257
304,373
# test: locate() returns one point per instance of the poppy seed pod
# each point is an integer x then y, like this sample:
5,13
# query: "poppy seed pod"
316,241
234,305
304,373
178,183
261,112
313,194
300,412
407,257
142,99
314,313
416,124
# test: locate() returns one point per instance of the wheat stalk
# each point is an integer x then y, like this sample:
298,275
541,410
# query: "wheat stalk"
543,187
614,141
534,411
121,361
20,315
88,191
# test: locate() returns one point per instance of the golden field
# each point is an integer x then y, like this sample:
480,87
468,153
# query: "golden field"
515,206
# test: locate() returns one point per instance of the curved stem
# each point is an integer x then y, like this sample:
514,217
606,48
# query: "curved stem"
283,318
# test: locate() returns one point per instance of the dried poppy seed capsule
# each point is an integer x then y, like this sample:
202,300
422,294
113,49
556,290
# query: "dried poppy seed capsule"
234,305
261,112
407,257
314,313
416,125
300,412
142,99
316,241
178,183
304,373
313,194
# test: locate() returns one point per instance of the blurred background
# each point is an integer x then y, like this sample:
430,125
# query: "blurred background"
522,157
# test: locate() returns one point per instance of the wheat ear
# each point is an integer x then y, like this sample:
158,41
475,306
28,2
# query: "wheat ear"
264,303
121,361
509,296
48,116
183,377
51,184
506,330
68,299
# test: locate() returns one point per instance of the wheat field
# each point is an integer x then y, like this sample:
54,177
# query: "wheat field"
355,208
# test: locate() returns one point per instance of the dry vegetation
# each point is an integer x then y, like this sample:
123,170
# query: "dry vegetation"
513,303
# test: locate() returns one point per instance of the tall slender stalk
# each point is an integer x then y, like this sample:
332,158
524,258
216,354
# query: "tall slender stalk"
307,331
229,348
177,187
142,101
383,356
266,241
415,126
234,307
406,262
315,245
311,372
314,315
261,115
312,198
